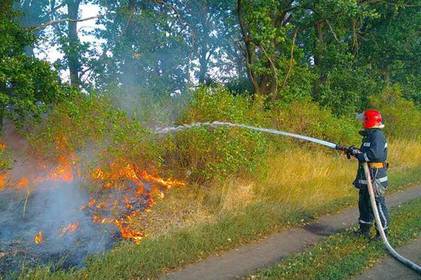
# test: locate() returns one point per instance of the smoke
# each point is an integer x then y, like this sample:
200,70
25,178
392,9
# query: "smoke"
149,109
48,209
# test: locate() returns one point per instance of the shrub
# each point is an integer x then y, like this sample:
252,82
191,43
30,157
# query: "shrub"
308,118
207,154
402,118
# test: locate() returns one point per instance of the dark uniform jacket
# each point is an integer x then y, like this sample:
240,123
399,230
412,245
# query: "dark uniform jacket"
373,149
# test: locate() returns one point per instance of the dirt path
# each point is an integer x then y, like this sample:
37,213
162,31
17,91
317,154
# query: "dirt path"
389,268
244,260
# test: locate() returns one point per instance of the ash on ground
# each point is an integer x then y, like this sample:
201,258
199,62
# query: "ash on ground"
47,226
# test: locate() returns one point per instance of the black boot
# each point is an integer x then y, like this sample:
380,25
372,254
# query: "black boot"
364,231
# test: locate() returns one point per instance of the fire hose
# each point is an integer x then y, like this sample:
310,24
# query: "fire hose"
410,264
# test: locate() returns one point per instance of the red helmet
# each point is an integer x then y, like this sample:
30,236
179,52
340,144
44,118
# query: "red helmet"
372,119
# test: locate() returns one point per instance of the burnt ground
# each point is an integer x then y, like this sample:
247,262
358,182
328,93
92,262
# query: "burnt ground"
245,260
389,268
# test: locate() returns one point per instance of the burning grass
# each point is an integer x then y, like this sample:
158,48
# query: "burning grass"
49,212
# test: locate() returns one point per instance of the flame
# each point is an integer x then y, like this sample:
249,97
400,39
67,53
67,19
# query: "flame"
39,238
135,198
127,233
2,181
131,172
70,228
63,171
124,191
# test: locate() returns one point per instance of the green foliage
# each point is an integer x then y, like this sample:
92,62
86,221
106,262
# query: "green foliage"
207,154
27,84
338,52
402,117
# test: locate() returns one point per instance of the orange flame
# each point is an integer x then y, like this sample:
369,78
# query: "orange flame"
63,171
2,181
128,233
129,171
39,238
123,172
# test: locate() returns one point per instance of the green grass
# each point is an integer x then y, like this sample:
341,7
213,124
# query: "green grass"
343,255
156,255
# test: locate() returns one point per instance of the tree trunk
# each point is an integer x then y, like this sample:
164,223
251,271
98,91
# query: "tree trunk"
318,57
248,48
74,43
386,74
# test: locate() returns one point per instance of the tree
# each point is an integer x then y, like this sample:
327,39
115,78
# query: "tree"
27,84
390,44
275,62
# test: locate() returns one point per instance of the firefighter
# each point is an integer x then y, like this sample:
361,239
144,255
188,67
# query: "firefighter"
373,150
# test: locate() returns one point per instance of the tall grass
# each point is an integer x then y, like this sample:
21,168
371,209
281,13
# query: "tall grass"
293,179
303,178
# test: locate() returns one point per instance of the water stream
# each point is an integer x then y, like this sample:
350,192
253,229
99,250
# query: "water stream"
172,129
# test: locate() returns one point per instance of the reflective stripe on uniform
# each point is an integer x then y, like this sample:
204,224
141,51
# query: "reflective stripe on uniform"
367,144
385,145
381,180
364,222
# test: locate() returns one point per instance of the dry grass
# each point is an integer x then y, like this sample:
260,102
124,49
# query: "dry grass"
404,154
302,178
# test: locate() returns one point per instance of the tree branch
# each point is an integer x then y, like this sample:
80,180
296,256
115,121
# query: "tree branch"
291,61
333,31
54,22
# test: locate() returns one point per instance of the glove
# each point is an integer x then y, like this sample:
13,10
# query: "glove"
352,151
